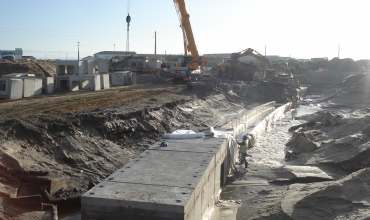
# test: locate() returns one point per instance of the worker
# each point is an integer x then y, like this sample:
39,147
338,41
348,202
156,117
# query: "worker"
293,101
243,147
129,76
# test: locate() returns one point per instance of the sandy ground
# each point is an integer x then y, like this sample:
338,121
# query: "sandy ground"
330,182
86,135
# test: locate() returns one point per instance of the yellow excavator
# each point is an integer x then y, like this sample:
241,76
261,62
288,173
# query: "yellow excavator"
238,70
235,69
183,71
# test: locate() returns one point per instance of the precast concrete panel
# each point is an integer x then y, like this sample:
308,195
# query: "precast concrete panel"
104,81
74,85
16,88
117,79
97,84
89,66
154,64
134,77
81,68
28,87
72,67
85,85
48,85
159,167
38,86
103,66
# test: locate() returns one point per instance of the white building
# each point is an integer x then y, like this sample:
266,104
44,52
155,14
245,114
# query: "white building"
18,52
110,54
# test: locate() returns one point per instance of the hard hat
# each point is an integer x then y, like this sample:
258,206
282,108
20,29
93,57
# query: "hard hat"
245,137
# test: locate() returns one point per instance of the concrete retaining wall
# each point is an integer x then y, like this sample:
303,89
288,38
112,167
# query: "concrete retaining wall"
180,181
267,122
241,124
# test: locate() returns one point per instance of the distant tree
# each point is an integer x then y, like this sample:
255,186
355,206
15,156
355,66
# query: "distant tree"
214,61
172,58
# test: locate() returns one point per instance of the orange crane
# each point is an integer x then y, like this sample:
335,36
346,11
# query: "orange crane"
191,59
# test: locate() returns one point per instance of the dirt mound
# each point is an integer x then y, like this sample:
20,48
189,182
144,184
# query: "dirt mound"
40,68
342,64
342,199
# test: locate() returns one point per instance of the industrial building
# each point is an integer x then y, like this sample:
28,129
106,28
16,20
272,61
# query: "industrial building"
17,52
110,54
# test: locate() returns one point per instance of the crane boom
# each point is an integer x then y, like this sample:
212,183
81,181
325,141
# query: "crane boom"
189,41
191,61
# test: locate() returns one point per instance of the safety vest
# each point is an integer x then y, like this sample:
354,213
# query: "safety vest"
243,147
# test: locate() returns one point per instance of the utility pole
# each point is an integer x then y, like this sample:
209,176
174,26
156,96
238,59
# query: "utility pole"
114,45
155,43
128,20
338,50
78,46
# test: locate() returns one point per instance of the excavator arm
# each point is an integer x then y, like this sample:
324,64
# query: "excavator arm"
253,53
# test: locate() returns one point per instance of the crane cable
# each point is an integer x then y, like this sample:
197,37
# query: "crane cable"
128,6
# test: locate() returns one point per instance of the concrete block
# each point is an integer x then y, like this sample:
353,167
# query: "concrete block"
154,64
97,84
103,66
89,66
77,82
70,67
28,87
48,85
52,182
81,68
117,78
157,170
84,85
74,85
134,78
38,86
15,88
104,81
3,87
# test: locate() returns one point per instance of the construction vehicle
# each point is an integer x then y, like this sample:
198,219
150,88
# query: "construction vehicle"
188,67
238,70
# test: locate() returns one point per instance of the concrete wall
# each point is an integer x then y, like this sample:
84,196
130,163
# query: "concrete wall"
242,123
104,81
103,66
11,88
154,64
89,66
48,85
31,86
73,67
91,82
180,181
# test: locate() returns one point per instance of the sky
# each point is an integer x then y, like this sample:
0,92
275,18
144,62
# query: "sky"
51,29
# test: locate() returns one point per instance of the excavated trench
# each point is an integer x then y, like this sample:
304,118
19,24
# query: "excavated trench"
268,173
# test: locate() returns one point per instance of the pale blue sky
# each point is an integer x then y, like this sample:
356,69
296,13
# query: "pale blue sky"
301,29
